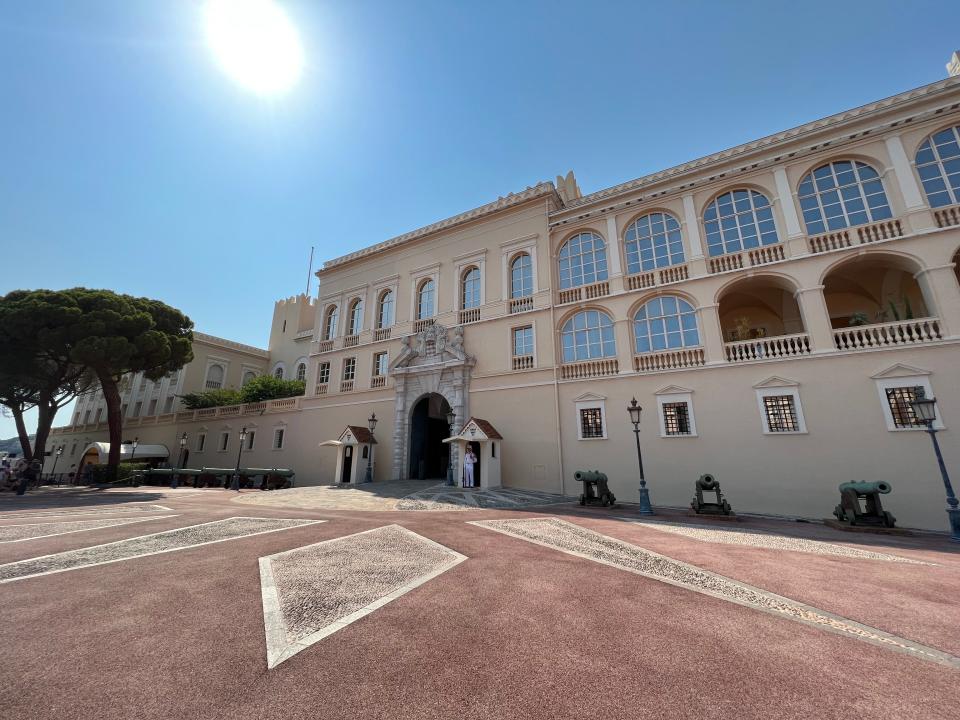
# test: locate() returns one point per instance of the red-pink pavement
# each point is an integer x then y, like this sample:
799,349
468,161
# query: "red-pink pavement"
516,631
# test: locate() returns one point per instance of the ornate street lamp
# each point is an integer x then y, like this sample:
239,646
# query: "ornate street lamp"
634,410
235,485
176,478
56,457
451,418
371,425
133,451
925,410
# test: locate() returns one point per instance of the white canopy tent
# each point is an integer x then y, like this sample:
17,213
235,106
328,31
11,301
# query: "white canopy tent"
98,452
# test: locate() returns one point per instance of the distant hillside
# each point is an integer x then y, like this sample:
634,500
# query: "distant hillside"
12,445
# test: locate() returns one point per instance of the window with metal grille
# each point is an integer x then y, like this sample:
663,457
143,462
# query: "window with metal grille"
201,441
591,423
224,441
781,413
278,439
899,399
323,374
349,368
676,418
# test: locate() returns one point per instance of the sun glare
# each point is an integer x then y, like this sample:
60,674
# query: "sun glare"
255,43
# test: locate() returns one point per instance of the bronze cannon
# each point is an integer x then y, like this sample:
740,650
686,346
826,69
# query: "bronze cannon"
594,488
708,483
872,513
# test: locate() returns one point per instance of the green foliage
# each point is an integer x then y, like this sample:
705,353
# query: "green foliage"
267,387
211,398
859,318
101,474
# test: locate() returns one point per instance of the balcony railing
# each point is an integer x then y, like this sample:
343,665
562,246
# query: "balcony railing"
346,385
378,381
213,385
381,334
641,281
588,292
674,273
521,304
948,216
765,254
725,263
590,369
421,325
904,332
320,389
874,232
522,362
470,315
884,230
351,340
325,346
669,360
769,348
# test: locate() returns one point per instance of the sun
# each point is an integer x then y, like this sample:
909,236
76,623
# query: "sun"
255,43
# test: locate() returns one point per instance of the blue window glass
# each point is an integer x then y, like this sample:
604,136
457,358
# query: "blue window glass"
739,220
653,241
665,323
842,194
583,260
521,276
470,289
938,164
330,326
588,335
425,298
385,310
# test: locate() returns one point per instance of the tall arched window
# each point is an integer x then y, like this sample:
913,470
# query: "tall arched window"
653,241
330,323
302,371
248,376
583,260
470,289
521,276
356,317
385,309
214,377
588,335
938,162
841,194
665,323
425,300
278,372
739,220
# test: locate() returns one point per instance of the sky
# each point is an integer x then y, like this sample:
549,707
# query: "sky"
130,161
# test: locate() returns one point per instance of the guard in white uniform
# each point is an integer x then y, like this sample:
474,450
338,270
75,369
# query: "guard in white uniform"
468,462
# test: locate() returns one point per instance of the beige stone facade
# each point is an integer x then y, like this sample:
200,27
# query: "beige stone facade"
772,307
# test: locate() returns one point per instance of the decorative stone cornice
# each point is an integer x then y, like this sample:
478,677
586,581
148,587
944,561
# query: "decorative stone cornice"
229,345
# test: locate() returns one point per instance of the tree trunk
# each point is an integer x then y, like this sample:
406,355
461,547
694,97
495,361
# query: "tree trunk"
114,421
22,432
45,415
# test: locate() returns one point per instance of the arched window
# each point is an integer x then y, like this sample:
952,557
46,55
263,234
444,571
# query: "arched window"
214,377
841,194
588,335
739,220
583,260
653,241
330,323
665,323
521,276
938,162
278,372
425,298
356,317
470,289
385,309
248,376
302,371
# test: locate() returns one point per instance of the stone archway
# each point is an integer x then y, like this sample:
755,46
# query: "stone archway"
429,455
432,362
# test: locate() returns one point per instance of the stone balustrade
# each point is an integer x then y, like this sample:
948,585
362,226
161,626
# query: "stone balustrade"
725,263
470,315
768,348
522,362
378,381
325,346
351,341
669,360
320,389
421,325
346,385
521,304
947,216
902,332
381,334
641,281
883,230
590,369
765,254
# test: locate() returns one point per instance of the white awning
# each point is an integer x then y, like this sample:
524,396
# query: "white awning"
126,452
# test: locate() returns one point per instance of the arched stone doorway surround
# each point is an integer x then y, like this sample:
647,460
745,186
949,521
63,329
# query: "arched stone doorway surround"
432,361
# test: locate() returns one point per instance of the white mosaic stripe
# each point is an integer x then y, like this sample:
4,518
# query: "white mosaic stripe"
36,531
772,541
313,591
579,541
105,509
185,538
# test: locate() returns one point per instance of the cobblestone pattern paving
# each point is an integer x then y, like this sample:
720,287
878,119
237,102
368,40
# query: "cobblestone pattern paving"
443,497
33,531
313,591
98,509
772,541
576,540
168,541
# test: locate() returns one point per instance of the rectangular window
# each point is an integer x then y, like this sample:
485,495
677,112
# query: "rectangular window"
152,409
168,404
278,439
201,441
591,423
349,368
224,441
250,436
323,374
380,364
86,417
137,408
781,412
98,415
523,341
899,399
676,418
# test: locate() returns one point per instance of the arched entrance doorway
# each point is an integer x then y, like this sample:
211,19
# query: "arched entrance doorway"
429,455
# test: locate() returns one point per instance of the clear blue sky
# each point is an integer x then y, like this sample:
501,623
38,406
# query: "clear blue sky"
131,162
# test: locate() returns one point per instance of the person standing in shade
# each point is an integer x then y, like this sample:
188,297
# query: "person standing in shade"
469,459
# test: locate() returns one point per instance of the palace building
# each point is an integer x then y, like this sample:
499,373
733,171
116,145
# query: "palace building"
773,307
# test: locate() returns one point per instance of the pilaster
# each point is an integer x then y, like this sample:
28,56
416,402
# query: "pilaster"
711,335
942,292
816,318
613,248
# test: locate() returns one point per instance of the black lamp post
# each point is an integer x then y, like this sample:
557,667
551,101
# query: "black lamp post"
451,418
925,410
371,424
235,485
176,478
133,451
634,410
56,456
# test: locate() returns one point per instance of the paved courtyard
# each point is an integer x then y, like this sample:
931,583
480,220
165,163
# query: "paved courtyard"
356,603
